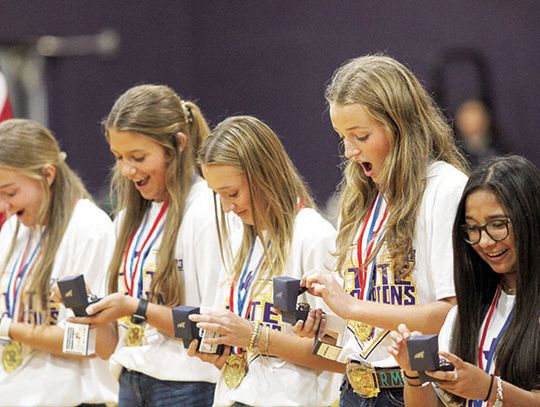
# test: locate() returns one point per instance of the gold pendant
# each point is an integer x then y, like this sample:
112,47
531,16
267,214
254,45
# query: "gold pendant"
235,370
12,356
362,331
135,334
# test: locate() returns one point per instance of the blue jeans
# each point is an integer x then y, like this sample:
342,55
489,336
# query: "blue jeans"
386,398
140,390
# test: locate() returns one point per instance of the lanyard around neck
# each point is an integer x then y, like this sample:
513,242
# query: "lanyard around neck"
373,237
141,254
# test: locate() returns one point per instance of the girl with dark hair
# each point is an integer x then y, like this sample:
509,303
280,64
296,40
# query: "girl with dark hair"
492,336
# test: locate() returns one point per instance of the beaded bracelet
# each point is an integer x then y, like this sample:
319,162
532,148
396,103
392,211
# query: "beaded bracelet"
499,399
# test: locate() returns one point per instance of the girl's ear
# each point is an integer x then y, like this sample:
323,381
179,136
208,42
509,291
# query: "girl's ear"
49,172
181,140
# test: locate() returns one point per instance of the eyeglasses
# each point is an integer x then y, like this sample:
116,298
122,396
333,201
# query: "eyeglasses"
496,229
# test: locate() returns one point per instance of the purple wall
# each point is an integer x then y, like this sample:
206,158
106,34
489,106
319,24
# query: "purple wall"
272,59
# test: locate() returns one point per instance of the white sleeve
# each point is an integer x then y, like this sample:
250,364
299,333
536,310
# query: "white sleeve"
318,253
87,248
207,261
445,335
441,205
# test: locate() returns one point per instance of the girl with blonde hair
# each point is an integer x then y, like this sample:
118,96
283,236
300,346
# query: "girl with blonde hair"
53,230
283,235
166,248
401,186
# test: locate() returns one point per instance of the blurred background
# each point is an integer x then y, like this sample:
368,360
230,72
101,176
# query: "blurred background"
270,59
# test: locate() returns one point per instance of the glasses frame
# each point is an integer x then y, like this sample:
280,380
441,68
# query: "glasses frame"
483,228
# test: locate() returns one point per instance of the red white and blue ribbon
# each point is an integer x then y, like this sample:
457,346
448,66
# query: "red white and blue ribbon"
493,347
370,236
19,272
138,249
240,294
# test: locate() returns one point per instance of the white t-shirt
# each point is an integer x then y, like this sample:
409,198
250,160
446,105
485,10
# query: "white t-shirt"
197,257
271,381
45,379
432,277
500,315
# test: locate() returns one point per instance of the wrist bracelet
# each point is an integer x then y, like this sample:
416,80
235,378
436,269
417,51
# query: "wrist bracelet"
254,338
490,387
409,377
5,323
499,399
266,340
406,381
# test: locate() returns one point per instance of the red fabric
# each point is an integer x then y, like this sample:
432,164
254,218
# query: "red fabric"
5,106
6,112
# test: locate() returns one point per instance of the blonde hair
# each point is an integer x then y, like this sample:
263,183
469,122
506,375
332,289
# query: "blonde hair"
26,148
276,188
157,112
418,134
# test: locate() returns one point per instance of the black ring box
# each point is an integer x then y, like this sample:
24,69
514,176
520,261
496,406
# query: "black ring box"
285,298
73,290
424,355
187,329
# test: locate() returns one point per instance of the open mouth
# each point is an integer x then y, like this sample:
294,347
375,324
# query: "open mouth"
142,182
367,166
497,255
19,213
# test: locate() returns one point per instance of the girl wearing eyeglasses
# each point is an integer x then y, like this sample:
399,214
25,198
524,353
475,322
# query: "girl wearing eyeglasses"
492,336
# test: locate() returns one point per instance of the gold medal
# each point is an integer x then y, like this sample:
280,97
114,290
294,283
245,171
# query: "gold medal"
134,335
362,331
235,370
12,356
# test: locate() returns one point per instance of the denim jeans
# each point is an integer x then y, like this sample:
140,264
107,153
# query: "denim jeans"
140,390
386,398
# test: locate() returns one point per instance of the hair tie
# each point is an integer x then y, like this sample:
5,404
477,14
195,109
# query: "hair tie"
62,156
187,112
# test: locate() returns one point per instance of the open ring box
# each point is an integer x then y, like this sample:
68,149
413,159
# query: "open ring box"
424,355
285,298
187,330
79,339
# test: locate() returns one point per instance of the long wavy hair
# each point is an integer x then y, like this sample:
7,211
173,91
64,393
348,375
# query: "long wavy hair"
26,147
156,112
418,135
515,182
276,189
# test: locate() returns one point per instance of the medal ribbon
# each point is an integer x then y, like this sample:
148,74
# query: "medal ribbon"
16,279
245,283
142,253
376,219
495,342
